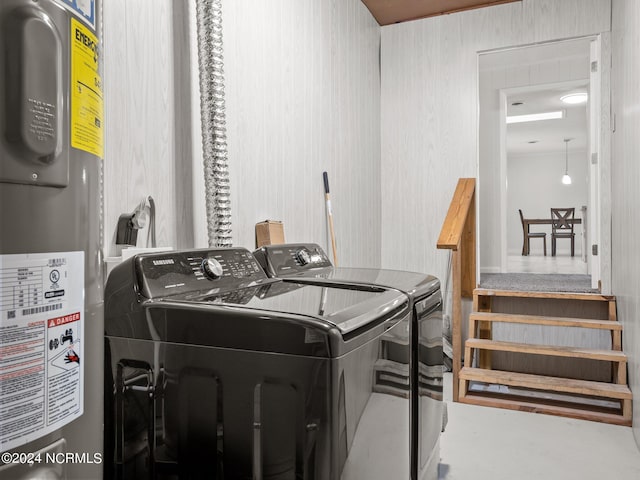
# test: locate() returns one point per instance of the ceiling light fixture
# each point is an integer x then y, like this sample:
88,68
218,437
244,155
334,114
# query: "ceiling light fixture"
535,117
566,179
575,98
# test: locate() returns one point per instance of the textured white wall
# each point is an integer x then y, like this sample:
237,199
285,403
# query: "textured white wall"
303,96
534,186
626,178
430,110
147,121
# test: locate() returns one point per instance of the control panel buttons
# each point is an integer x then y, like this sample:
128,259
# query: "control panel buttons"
212,268
303,257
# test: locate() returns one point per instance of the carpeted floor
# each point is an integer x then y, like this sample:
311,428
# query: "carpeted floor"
537,282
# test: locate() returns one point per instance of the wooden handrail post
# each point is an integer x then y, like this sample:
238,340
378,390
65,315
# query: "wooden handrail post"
468,252
456,321
459,235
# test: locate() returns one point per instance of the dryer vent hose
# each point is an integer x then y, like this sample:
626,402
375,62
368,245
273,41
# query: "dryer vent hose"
214,128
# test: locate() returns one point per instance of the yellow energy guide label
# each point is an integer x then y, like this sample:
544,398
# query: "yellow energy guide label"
86,91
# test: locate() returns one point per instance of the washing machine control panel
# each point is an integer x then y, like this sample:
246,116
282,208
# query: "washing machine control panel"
170,273
291,258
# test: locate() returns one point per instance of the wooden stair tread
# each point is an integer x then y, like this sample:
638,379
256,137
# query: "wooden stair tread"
567,397
576,352
530,406
557,295
543,320
543,382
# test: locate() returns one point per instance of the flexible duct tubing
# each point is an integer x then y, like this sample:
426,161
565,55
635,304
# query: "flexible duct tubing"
214,129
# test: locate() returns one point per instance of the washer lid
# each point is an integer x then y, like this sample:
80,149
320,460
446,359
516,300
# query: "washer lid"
347,309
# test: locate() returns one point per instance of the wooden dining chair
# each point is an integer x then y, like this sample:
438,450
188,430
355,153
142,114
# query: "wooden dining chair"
527,235
562,227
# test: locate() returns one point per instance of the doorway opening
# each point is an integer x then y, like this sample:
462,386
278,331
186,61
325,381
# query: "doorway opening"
532,141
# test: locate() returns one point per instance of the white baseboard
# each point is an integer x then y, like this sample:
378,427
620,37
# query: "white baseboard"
489,270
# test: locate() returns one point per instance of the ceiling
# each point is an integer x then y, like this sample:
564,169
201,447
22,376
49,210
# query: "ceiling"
387,12
548,135
571,63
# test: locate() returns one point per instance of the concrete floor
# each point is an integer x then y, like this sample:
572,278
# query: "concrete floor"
489,443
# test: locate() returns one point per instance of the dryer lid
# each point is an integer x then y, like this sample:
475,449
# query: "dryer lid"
301,261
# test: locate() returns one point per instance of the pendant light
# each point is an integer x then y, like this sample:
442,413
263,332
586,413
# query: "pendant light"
566,179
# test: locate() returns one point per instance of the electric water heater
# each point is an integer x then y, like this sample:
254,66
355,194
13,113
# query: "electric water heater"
51,320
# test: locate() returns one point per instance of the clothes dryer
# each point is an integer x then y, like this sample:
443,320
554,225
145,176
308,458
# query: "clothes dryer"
309,264
215,371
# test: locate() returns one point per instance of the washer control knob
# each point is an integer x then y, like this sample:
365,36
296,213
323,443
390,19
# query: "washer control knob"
303,257
212,268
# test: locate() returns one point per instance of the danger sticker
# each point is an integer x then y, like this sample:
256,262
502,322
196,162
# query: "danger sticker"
41,344
56,322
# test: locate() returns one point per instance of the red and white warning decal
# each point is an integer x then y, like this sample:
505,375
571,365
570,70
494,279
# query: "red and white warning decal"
41,340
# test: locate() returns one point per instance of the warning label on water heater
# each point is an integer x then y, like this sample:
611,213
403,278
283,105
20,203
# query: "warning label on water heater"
41,341
86,91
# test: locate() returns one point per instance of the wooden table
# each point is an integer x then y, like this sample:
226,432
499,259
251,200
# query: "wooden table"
539,221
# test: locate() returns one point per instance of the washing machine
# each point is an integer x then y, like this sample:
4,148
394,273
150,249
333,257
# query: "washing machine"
307,263
213,370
